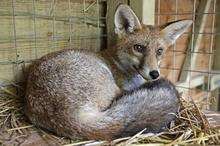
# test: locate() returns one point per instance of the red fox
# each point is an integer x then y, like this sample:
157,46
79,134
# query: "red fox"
109,94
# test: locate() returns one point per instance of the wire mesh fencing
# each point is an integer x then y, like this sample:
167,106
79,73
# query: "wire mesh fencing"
31,28
190,63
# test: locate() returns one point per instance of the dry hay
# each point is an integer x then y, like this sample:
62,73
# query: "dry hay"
191,127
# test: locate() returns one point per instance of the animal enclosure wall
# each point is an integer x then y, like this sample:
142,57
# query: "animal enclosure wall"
192,62
32,28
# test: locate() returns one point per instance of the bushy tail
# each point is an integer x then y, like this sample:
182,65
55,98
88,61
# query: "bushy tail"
150,107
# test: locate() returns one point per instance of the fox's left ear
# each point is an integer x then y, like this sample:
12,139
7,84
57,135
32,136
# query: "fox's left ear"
173,31
125,20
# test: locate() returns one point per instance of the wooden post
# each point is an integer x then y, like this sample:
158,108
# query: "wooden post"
216,63
145,10
111,8
190,60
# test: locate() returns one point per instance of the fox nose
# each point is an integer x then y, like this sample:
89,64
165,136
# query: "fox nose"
154,74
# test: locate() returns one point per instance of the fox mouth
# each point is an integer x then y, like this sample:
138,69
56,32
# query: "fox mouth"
140,73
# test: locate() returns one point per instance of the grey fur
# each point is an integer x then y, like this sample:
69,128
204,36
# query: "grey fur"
73,94
88,95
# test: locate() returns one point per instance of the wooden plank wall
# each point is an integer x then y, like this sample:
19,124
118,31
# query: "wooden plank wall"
30,29
184,10
172,65
216,62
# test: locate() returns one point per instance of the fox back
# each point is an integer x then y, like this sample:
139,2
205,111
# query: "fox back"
109,94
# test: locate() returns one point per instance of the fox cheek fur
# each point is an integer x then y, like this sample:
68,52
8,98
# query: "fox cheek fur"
80,94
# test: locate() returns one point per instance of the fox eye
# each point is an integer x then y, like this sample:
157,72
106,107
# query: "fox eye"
159,51
139,48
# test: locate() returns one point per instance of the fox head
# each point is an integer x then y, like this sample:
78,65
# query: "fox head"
142,47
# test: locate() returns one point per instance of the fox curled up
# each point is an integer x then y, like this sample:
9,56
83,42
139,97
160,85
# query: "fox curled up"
113,93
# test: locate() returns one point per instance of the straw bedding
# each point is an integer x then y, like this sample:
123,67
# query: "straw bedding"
191,127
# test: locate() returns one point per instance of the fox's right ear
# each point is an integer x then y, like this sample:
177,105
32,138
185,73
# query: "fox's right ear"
173,31
125,20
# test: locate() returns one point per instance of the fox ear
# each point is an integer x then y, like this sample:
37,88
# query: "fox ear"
125,20
173,31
